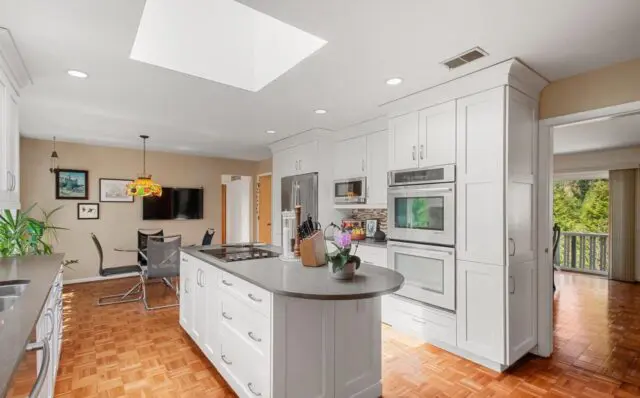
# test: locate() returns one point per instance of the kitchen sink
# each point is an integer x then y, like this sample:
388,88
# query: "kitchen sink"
10,292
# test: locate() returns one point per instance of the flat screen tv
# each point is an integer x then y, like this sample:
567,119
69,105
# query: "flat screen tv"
174,204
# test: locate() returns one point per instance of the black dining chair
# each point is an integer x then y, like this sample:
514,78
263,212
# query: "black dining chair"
125,297
208,237
143,238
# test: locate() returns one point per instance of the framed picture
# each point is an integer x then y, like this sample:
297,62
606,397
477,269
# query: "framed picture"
88,211
72,184
372,227
114,190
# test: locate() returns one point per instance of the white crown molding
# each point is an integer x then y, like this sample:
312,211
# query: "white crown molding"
11,61
507,73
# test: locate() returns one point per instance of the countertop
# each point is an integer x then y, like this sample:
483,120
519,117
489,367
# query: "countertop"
16,323
294,280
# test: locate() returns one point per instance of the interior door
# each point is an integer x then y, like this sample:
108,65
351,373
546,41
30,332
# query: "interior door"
264,209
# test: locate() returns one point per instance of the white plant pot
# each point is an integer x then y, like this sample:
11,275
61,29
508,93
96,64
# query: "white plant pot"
345,273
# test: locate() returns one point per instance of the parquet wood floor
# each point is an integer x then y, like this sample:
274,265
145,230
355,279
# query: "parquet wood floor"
124,351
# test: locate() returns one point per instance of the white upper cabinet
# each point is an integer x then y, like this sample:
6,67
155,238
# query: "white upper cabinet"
9,146
377,165
480,232
403,141
522,114
299,159
437,138
423,139
350,158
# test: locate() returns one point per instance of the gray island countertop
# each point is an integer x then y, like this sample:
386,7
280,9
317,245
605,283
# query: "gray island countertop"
17,322
294,280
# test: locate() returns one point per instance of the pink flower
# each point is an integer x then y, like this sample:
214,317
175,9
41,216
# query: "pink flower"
342,239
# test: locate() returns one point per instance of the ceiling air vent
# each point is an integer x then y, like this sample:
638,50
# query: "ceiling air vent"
465,58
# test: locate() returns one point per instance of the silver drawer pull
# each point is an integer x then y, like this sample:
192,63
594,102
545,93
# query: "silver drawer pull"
418,320
226,316
254,338
224,282
254,298
225,360
250,385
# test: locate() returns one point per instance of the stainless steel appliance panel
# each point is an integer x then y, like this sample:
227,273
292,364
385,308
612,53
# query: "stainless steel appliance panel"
303,188
350,190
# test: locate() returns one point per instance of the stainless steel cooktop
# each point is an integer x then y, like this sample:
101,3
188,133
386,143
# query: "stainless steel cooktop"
239,253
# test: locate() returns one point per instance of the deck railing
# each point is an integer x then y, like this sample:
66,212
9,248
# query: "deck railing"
583,252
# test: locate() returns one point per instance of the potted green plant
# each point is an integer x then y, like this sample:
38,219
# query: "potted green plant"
342,264
22,235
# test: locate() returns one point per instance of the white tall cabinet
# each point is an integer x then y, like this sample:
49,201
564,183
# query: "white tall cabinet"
487,124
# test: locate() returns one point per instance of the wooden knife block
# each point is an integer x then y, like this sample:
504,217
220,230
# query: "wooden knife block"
312,251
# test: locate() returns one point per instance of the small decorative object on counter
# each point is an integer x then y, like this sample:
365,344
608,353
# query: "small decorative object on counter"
372,227
379,236
356,228
342,264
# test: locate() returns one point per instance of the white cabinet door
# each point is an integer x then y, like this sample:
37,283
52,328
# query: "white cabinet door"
288,161
188,288
377,165
480,310
13,148
5,179
403,141
306,155
199,324
208,310
350,158
480,178
522,310
437,136
522,132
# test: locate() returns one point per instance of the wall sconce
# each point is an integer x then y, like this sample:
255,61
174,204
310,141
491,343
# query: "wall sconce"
54,159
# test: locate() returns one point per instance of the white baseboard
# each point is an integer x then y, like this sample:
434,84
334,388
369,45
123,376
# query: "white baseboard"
99,278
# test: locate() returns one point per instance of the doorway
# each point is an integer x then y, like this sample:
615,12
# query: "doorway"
547,130
264,208
236,206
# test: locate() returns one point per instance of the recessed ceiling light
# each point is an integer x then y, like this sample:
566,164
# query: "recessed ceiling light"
77,73
320,111
394,81
271,131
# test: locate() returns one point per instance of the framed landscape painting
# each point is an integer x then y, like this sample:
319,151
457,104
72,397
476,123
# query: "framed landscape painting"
72,184
114,190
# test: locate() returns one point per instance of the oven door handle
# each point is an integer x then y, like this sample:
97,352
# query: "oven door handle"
405,191
429,251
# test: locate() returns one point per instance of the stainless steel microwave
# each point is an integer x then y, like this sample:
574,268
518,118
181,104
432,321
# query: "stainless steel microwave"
350,190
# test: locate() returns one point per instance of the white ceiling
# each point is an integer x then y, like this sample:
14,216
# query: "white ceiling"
618,132
368,42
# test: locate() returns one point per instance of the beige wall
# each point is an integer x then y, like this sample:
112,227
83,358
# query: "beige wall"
611,159
119,222
612,85
265,166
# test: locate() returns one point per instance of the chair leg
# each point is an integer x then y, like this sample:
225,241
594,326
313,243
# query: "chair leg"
122,297
144,296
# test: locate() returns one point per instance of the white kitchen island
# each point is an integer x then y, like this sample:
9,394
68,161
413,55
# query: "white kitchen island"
278,329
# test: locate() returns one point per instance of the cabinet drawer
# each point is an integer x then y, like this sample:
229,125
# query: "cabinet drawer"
422,322
373,255
256,298
252,326
249,373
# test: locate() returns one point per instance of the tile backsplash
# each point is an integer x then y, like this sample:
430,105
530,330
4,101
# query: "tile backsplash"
369,214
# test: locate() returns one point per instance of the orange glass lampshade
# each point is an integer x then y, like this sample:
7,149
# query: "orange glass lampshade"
144,186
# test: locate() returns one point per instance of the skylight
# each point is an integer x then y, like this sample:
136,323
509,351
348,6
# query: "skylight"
220,40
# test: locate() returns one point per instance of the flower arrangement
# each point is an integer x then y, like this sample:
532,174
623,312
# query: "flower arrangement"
341,261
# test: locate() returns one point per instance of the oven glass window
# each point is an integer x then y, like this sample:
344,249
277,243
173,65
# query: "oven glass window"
348,189
421,272
420,213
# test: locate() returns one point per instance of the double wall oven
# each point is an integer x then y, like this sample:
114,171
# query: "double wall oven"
422,233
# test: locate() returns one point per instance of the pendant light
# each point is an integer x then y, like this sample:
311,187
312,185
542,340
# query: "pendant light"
144,185
54,158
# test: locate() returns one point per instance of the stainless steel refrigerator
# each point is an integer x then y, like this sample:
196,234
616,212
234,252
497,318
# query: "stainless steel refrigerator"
301,189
